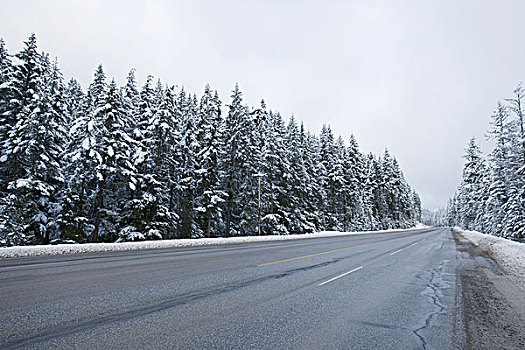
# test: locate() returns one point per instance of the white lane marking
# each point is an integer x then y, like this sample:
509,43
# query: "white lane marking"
342,275
397,251
400,250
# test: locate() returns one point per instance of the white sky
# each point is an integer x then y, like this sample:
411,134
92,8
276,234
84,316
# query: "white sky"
418,77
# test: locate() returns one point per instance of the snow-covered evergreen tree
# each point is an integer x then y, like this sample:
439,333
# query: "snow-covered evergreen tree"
33,144
188,109
209,193
6,70
355,218
299,186
146,214
274,163
6,119
237,177
515,205
330,174
498,185
471,187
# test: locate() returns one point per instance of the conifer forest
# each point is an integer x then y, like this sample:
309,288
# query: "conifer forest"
491,194
151,161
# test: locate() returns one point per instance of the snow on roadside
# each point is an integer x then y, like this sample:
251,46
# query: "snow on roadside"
508,254
65,249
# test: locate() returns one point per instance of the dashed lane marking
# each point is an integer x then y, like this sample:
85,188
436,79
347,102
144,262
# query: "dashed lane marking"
341,275
397,251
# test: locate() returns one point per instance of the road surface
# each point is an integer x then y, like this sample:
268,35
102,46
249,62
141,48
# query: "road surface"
396,290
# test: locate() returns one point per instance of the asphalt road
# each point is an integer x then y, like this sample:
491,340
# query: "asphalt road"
375,291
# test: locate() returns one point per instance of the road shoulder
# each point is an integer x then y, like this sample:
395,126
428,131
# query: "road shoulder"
493,297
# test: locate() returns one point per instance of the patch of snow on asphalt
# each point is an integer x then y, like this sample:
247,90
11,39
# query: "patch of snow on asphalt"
61,249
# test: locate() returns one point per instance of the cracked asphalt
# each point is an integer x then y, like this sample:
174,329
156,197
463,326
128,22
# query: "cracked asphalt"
396,290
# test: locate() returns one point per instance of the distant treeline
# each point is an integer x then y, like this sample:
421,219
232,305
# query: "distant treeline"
127,163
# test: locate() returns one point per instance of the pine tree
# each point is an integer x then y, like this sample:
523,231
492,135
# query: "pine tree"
23,92
33,144
338,178
236,142
380,193
355,218
12,226
314,181
516,106
6,71
57,123
95,127
370,187
417,209
189,149
131,104
299,183
515,205
5,63
498,186
274,165
248,184
117,149
329,172
209,193
147,214
75,201
6,120
471,186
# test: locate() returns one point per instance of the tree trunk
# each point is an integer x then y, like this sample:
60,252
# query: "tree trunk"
229,206
99,202
170,209
208,228
229,214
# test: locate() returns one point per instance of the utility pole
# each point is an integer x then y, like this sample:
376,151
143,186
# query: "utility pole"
259,175
371,222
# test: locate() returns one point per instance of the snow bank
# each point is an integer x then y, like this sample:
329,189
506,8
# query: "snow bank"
508,254
61,249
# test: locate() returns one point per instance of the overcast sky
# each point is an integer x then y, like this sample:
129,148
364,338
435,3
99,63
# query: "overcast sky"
418,77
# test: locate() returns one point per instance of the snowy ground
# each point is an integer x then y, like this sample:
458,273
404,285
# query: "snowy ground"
61,249
508,254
